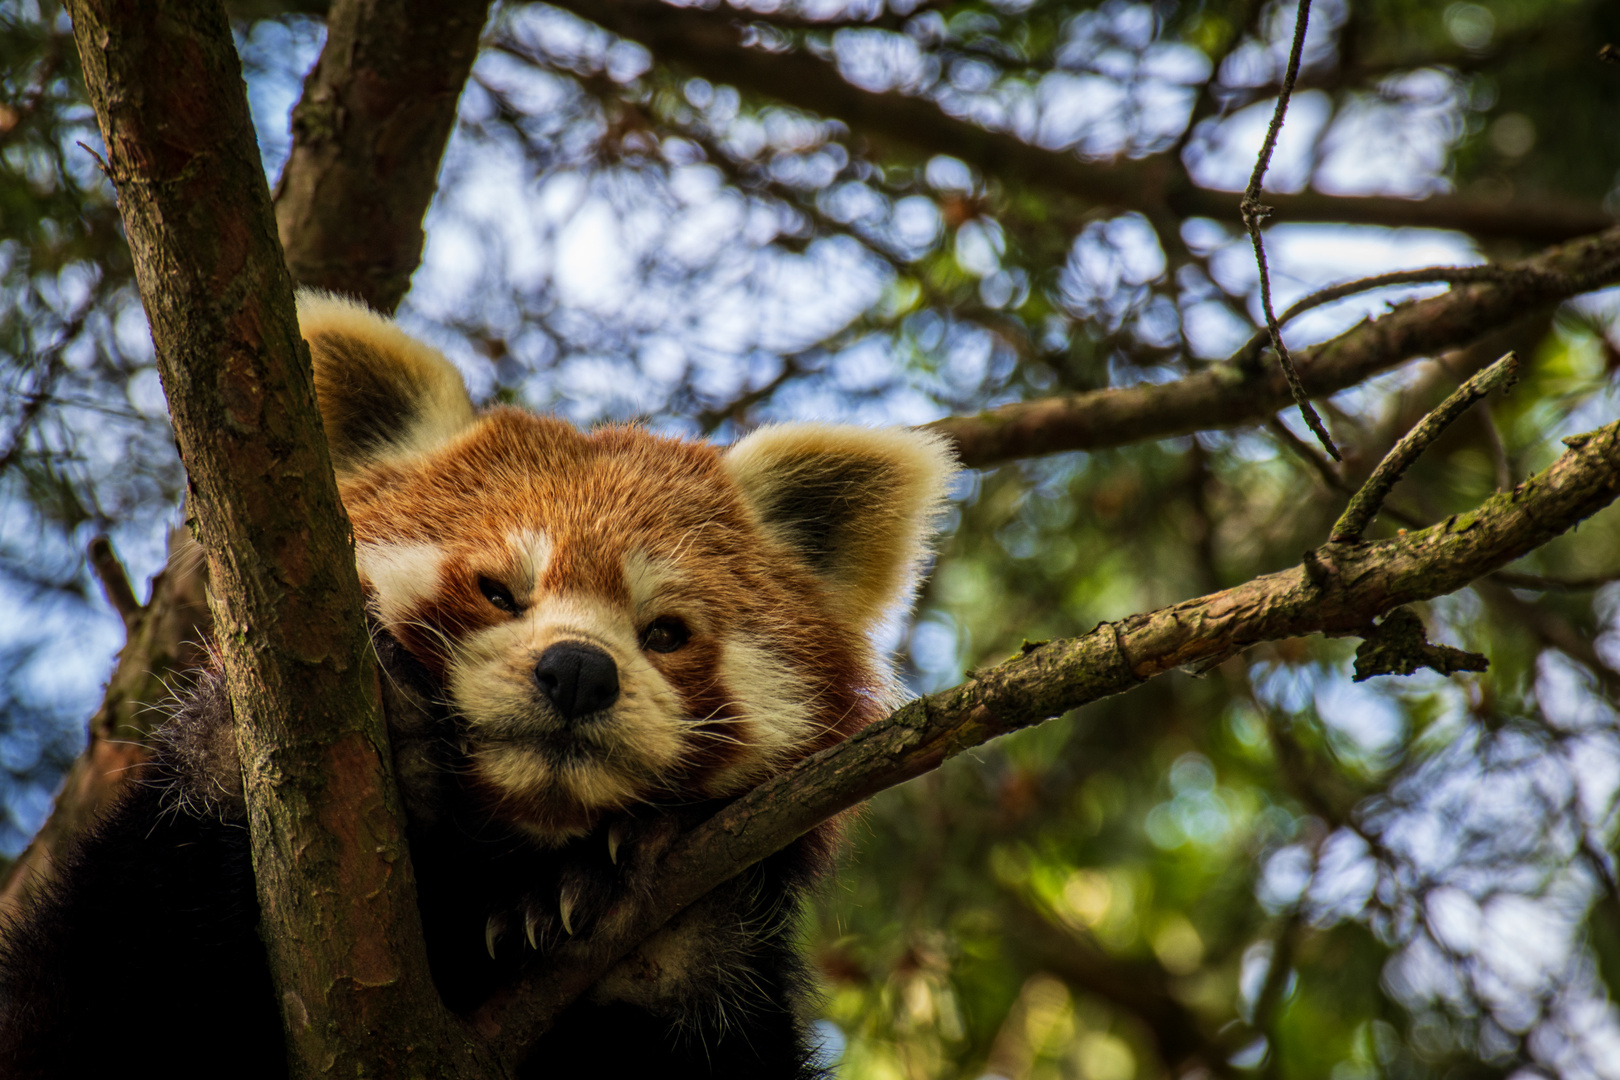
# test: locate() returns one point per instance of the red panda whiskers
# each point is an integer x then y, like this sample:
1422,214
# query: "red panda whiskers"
547,731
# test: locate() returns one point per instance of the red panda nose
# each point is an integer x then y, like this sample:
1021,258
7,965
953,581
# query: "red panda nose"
579,679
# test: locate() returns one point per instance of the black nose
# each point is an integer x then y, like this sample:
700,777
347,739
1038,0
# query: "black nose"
578,678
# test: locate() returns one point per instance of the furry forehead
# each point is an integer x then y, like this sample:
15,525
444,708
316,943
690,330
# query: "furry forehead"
852,506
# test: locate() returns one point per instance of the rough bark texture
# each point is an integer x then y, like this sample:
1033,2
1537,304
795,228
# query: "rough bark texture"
1339,589
356,250
340,924
710,43
1231,394
368,135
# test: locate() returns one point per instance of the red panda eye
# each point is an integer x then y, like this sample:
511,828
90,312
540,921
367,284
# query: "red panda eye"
498,595
666,634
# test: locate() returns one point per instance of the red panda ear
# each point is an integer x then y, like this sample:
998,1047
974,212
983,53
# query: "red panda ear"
855,505
382,394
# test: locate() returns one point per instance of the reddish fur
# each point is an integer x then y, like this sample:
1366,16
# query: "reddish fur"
598,497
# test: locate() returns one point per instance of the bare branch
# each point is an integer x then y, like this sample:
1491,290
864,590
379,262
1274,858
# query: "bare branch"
1232,394
368,135
710,43
1365,503
1337,590
1254,212
1546,583
115,582
1455,275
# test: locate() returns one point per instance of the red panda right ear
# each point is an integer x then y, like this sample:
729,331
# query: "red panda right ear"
383,395
856,506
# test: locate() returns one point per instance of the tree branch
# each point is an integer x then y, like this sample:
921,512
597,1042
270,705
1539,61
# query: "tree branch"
1236,393
1428,275
368,135
1364,504
1339,589
710,43
347,247
115,582
337,896
1254,212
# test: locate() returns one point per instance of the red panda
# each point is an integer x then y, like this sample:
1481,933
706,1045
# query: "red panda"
586,636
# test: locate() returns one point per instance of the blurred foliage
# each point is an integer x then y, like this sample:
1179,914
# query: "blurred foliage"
1265,870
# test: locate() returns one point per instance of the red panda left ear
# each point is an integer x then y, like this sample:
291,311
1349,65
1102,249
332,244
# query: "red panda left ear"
856,506
383,395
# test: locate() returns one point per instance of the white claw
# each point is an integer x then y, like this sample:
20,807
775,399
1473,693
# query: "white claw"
566,905
492,930
529,923
615,838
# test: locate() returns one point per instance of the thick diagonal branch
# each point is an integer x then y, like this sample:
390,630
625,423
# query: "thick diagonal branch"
1338,589
1233,394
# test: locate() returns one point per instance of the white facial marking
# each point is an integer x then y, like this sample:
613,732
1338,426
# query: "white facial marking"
776,704
533,550
401,575
646,577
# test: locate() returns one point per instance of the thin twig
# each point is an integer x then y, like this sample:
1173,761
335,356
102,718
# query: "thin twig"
1254,212
1501,460
1365,503
1542,583
1454,275
1329,475
114,581
1308,454
1513,579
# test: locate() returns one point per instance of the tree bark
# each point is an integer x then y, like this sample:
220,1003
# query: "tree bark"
336,892
351,249
1236,393
368,135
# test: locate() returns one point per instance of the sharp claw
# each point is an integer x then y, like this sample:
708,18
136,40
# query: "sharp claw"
566,905
529,923
615,838
492,930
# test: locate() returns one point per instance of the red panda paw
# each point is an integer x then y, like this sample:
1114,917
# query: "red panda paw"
587,885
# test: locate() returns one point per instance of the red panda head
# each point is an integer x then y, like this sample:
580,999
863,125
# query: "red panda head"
618,618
